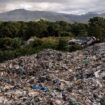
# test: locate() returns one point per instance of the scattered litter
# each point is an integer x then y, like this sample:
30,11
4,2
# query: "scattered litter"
55,78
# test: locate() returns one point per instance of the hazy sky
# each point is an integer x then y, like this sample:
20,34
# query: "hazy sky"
65,6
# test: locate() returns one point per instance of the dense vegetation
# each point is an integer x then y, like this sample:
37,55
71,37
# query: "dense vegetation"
14,36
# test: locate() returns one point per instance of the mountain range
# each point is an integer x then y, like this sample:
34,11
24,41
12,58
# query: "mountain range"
26,15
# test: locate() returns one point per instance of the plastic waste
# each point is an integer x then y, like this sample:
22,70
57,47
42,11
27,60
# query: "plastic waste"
40,87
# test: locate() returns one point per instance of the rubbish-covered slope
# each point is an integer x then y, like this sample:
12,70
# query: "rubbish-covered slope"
55,78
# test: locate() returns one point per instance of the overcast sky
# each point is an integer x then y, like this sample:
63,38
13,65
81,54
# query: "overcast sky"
65,6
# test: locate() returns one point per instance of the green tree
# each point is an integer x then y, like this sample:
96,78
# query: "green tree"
97,27
53,29
79,29
9,29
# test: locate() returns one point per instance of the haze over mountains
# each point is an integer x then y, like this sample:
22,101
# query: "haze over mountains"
26,15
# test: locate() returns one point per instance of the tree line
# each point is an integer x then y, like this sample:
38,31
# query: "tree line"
95,27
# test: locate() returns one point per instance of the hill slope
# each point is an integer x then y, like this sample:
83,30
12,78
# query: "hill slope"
25,15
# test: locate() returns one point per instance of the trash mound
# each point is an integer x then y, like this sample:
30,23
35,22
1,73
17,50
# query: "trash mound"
55,78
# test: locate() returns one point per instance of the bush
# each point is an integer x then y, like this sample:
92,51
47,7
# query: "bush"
5,43
62,44
36,43
9,43
16,43
11,54
63,34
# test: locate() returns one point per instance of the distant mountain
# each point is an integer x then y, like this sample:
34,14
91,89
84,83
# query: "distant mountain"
26,15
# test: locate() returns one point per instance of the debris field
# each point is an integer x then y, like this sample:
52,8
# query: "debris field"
55,78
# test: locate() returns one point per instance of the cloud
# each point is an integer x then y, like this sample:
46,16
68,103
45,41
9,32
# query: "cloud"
65,6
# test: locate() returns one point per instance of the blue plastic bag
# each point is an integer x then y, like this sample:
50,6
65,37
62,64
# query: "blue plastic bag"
40,87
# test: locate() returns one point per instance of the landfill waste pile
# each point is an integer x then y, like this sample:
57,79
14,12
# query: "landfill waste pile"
55,78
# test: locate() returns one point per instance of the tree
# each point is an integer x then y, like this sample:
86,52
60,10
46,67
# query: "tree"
97,27
9,29
23,30
53,29
79,29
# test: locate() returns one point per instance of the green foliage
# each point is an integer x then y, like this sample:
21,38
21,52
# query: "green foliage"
9,43
5,43
97,27
9,29
55,35
39,29
36,43
49,42
62,44
16,43
79,29
53,29
35,46
11,54
64,34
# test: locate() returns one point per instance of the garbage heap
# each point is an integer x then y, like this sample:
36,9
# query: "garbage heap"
55,78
